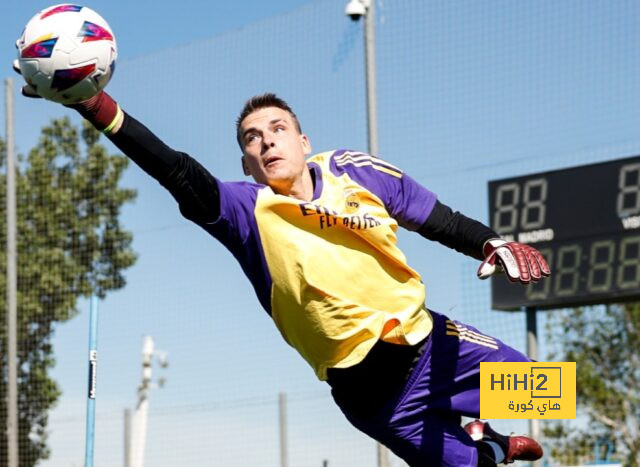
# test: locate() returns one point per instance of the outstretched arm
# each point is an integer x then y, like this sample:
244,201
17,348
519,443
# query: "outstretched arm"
195,189
416,208
456,231
521,263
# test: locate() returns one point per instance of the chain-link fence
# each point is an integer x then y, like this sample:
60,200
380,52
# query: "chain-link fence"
467,92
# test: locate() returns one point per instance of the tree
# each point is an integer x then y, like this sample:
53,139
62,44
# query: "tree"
70,245
605,344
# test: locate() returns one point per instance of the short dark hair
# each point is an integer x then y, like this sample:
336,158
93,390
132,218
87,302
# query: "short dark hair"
262,101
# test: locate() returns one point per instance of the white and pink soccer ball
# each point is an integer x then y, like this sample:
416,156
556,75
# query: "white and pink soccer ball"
67,53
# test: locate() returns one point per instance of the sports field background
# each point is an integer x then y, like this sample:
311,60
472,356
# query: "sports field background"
468,91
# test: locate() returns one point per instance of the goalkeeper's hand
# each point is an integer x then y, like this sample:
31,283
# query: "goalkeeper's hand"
521,263
27,90
101,110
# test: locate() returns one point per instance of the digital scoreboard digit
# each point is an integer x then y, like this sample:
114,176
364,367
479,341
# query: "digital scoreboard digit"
585,221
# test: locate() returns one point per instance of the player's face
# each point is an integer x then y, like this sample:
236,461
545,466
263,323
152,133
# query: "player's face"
274,151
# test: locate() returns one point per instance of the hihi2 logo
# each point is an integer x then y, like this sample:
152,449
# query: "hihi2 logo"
528,390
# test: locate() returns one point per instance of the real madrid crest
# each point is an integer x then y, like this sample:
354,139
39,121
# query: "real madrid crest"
351,202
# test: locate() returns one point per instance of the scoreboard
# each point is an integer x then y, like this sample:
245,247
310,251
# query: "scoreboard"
585,221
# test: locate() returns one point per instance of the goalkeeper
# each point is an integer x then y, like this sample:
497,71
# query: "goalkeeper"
317,239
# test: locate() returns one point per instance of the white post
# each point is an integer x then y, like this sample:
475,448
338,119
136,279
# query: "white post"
12,281
282,406
140,413
127,438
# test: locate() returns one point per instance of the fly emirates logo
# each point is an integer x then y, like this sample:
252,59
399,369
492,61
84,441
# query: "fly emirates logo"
328,218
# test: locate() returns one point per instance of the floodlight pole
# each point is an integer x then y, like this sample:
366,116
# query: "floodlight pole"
368,8
370,59
12,281
372,123
136,422
138,431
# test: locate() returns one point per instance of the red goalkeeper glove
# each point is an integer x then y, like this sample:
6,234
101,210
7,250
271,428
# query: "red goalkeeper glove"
522,263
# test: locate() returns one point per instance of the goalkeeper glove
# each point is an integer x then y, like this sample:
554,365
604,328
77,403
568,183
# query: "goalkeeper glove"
27,90
101,110
522,263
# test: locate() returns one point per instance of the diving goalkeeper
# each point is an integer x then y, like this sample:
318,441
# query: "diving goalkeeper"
317,239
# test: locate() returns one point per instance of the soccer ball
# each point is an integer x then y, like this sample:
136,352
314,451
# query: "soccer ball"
67,53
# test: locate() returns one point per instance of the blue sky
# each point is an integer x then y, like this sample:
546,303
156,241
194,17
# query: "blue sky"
468,92
147,26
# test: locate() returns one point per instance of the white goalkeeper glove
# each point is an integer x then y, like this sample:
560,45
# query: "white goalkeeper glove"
101,110
521,263
27,90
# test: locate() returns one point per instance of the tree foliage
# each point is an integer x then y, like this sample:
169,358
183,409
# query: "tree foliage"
605,344
70,245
